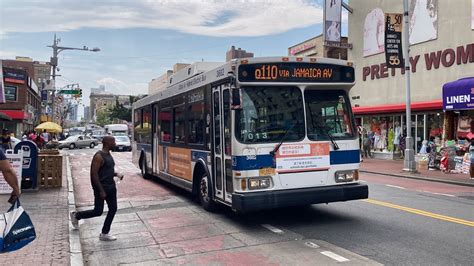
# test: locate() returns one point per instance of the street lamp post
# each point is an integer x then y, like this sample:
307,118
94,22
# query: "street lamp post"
409,160
54,63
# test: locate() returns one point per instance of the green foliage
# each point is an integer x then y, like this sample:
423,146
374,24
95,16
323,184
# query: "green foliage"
119,112
103,117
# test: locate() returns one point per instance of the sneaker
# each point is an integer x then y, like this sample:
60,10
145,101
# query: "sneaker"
74,220
107,237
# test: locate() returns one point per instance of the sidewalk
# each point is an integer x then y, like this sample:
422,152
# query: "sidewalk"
157,224
394,168
48,209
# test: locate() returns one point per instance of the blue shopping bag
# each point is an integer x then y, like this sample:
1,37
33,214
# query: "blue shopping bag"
16,228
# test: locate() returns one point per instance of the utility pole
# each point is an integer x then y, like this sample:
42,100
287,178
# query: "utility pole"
409,160
54,63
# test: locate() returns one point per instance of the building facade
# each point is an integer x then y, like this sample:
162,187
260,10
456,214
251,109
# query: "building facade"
237,53
23,102
441,51
158,84
315,47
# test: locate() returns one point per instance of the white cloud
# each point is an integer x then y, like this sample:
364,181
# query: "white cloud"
116,86
200,17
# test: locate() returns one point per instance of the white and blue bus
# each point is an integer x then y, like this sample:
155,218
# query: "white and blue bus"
254,134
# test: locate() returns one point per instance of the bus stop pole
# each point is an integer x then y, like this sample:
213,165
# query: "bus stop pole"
409,159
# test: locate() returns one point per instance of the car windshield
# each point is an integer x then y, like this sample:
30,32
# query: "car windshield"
327,112
122,139
268,113
71,138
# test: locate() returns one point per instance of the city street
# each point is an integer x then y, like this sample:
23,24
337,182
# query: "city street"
403,222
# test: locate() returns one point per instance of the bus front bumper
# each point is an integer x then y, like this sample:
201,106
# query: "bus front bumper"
255,201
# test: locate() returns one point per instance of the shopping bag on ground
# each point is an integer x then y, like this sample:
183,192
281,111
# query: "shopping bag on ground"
16,228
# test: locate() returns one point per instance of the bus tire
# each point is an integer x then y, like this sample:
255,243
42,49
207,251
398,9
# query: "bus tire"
145,174
205,194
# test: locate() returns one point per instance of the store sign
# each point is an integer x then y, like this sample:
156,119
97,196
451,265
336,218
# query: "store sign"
393,40
18,78
458,98
461,55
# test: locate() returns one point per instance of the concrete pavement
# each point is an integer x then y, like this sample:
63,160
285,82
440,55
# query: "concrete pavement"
394,168
48,210
157,224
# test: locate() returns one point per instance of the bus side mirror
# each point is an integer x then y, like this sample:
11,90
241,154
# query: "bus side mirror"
236,99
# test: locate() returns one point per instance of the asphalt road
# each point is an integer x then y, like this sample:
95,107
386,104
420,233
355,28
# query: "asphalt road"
404,221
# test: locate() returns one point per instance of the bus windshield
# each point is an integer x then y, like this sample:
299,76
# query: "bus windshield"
268,112
327,112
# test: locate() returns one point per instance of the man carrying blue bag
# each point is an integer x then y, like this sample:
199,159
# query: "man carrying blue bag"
16,228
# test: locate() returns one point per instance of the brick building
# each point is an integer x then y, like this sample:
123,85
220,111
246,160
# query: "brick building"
22,96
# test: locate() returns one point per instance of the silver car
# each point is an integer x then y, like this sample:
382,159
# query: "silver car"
122,143
79,141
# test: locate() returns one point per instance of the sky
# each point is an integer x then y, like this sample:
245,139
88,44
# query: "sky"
140,39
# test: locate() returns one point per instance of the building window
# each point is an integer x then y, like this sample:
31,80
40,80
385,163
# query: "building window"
11,93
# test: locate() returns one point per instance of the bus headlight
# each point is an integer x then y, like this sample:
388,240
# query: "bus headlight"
259,183
346,176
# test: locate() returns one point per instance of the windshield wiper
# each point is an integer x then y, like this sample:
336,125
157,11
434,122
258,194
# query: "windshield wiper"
275,150
323,129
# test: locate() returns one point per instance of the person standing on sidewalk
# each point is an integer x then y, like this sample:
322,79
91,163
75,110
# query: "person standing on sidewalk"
9,176
103,184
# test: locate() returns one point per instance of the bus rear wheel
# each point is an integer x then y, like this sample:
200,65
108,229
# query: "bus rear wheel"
205,194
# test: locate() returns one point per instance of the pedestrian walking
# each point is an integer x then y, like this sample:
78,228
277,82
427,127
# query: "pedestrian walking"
431,154
103,184
471,154
10,177
367,147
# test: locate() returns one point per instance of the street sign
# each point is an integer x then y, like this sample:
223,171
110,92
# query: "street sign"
69,91
393,40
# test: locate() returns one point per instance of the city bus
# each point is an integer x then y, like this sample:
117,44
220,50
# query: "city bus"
254,133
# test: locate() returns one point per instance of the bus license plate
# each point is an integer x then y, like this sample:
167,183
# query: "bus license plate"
266,171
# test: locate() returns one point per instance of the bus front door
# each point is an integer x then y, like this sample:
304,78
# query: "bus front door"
222,159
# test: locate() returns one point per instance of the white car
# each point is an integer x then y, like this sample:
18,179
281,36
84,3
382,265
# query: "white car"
122,143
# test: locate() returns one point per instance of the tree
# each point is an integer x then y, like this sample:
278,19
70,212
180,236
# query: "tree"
103,117
119,112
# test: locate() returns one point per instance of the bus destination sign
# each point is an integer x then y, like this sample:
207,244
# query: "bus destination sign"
295,72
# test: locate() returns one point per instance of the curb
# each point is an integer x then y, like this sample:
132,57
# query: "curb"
451,182
75,248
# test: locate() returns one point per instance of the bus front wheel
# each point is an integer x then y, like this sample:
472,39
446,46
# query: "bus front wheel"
205,194
145,175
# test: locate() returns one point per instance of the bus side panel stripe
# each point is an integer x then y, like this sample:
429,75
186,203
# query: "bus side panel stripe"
343,157
242,163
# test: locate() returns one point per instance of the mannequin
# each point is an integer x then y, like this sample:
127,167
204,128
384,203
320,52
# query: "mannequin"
396,136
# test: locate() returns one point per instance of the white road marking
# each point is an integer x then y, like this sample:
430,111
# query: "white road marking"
273,229
334,256
311,244
395,186
442,194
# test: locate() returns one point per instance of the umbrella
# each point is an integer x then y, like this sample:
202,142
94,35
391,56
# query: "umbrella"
4,117
49,127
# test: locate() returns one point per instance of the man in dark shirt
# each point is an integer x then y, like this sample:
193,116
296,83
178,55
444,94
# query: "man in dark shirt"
9,176
103,184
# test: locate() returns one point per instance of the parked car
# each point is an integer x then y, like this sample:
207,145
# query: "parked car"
122,143
79,141
99,134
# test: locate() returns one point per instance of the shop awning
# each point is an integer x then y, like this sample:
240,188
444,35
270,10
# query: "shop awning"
15,114
459,94
397,108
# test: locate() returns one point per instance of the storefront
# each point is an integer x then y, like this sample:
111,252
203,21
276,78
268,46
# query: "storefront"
385,125
458,104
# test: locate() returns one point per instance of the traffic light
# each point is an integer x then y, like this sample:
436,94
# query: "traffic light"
80,93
